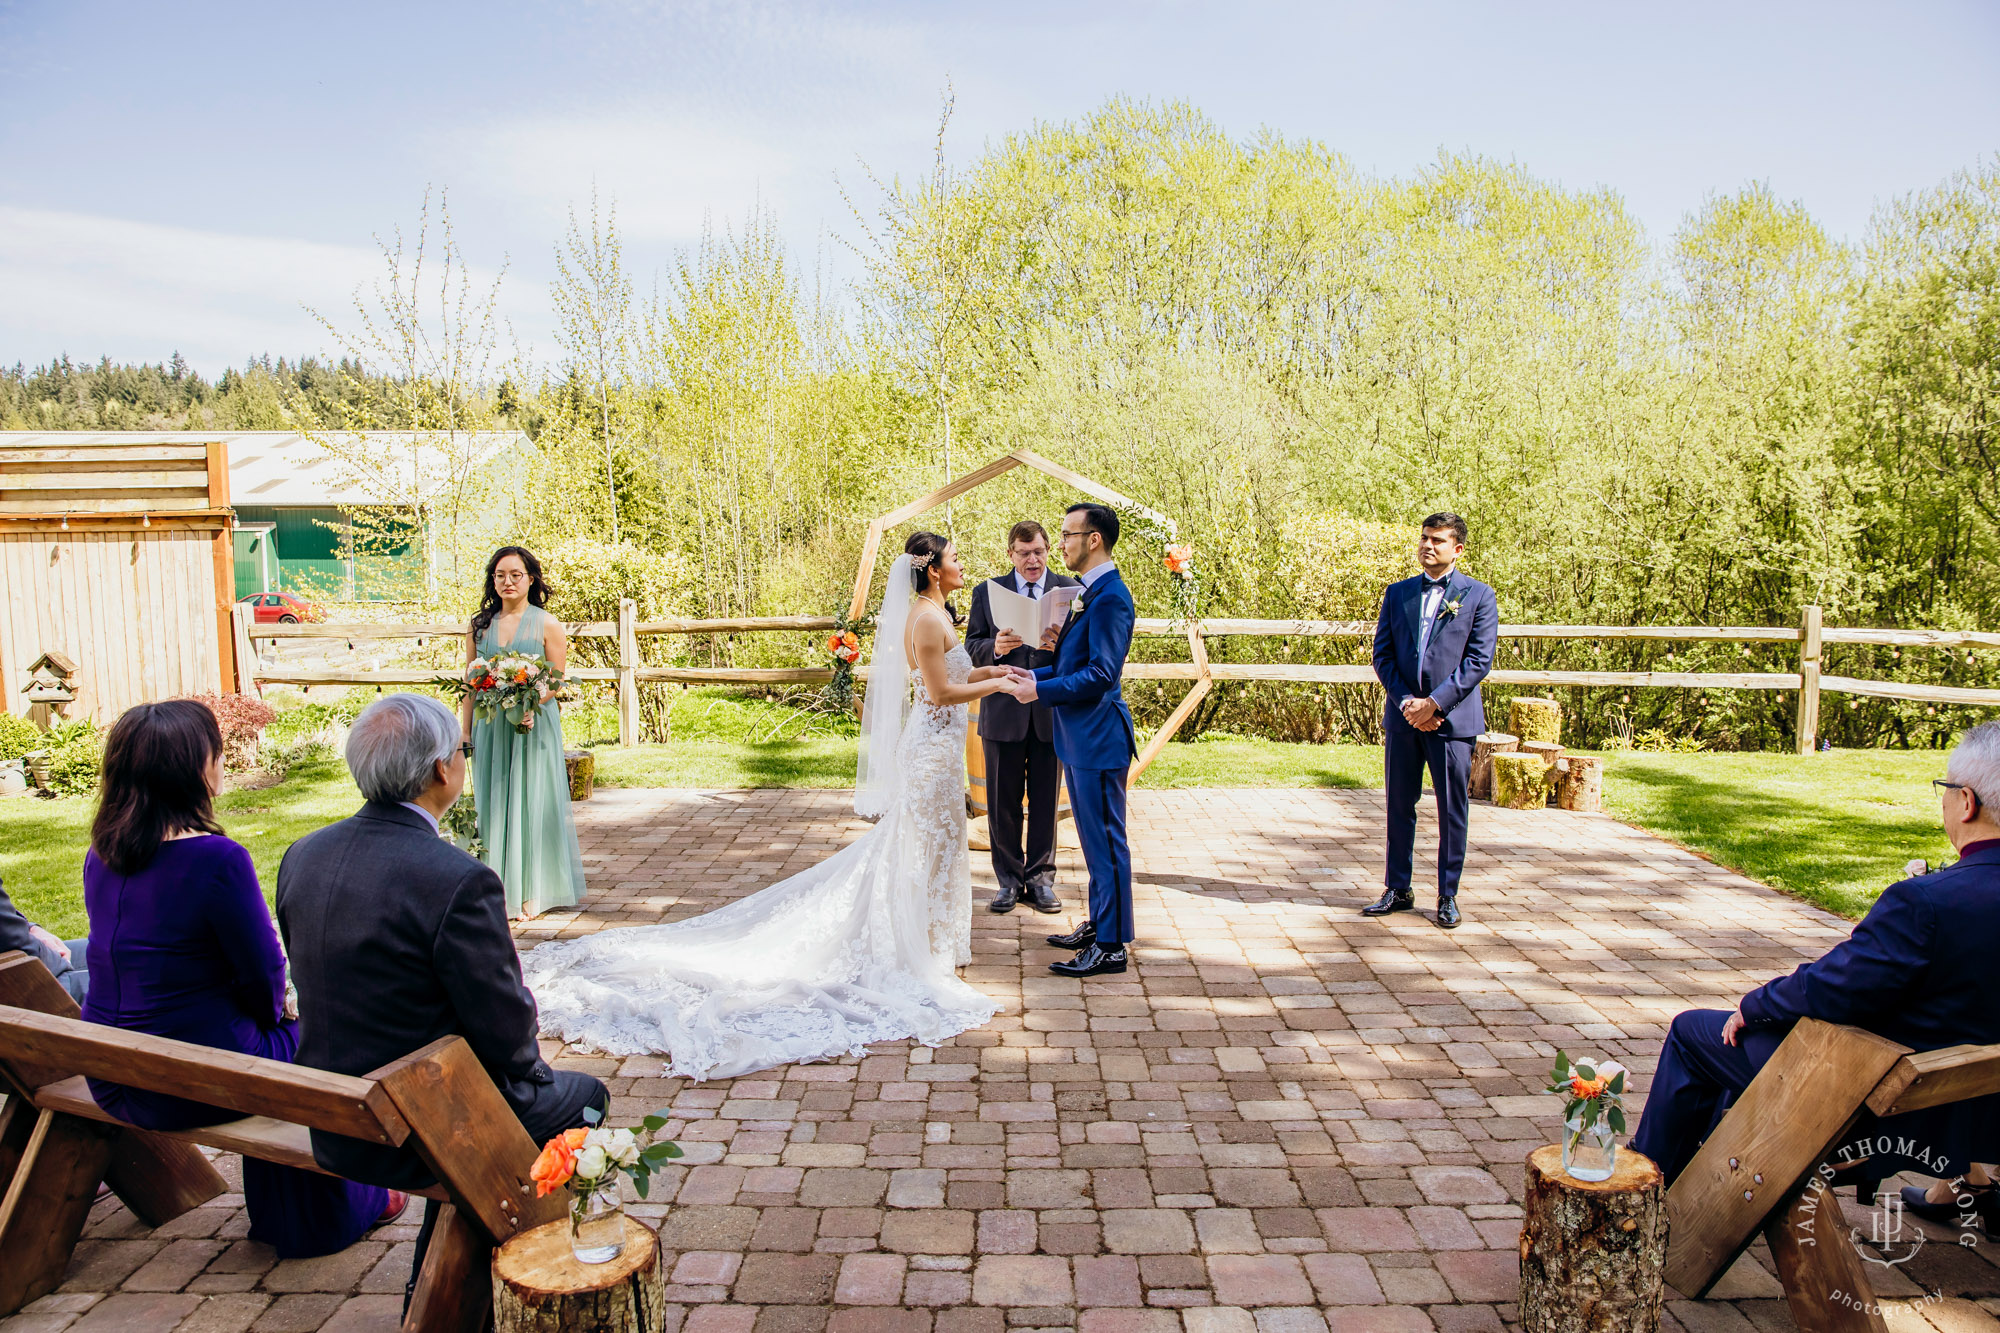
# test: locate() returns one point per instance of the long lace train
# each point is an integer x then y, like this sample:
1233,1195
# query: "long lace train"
860,948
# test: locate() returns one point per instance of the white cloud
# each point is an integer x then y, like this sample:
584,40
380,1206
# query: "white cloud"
90,286
667,173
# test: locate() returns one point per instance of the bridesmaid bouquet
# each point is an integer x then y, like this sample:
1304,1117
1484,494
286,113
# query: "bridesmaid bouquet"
509,685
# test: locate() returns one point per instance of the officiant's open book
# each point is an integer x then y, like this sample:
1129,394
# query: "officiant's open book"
1027,617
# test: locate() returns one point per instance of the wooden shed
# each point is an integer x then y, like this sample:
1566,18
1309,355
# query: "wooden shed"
116,554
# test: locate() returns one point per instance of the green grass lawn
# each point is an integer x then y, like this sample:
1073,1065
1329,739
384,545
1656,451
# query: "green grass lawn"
1833,828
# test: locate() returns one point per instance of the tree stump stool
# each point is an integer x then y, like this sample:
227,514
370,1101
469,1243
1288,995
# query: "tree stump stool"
582,765
1483,749
539,1287
1520,781
1593,1252
1535,719
1581,786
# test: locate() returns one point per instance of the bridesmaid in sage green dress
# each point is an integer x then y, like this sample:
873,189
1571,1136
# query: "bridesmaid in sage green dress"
519,779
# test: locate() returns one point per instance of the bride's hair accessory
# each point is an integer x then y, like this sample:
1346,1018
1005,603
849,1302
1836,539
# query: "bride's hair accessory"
921,561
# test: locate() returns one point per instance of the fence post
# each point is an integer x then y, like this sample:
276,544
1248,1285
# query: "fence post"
628,672
1808,726
246,656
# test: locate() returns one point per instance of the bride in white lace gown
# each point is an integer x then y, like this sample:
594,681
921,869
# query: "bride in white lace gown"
862,947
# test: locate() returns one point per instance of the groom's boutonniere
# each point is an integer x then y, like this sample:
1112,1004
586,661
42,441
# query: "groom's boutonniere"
1450,606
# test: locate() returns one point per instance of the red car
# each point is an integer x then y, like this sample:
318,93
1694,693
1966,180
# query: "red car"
281,608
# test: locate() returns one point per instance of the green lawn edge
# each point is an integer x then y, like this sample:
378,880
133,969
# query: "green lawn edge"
1833,828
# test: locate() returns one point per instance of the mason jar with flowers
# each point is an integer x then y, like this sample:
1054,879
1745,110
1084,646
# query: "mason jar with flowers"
1593,1115
588,1162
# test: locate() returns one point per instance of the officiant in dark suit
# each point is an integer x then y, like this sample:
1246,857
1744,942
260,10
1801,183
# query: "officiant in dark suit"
1018,737
1434,642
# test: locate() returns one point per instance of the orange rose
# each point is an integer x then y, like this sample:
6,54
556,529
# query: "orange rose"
557,1162
851,639
833,643
521,676
1179,558
1586,1089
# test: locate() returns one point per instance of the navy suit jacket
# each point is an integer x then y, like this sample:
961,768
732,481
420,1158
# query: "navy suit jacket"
1457,658
1093,725
1003,717
1919,970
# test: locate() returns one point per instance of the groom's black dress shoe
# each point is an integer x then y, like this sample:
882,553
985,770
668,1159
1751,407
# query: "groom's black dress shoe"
1082,937
1390,901
1042,897
1004,900
1093,961
1448,913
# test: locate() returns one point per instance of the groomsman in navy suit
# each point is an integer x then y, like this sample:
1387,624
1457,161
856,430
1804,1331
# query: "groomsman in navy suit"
1093,733
1434,643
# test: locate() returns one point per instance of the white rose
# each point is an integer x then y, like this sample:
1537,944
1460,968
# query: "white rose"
597,1138
623,1147
1609,1070
591,1163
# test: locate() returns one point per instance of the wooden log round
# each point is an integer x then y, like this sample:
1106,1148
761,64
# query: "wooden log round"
1520,781
539,1287
1484,748
1581,787
1593,1253
1534,719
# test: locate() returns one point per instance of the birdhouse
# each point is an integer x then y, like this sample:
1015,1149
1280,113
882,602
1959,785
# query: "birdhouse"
51,681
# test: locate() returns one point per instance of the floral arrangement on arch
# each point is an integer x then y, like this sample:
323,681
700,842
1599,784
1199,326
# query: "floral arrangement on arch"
844,646
1175,556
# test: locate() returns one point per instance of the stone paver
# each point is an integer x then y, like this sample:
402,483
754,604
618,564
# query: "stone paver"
1284,1119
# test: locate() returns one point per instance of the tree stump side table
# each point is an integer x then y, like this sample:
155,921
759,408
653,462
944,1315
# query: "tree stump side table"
539,1287
1593,1253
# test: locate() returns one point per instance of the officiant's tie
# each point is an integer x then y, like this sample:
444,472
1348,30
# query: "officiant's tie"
1034,592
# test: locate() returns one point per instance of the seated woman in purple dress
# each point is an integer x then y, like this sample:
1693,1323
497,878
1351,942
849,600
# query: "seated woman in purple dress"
182,946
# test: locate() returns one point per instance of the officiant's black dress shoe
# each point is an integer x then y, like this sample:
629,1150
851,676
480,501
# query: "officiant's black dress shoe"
1004,900
1082,937
1093,961
1042,897
1390,901
1448,913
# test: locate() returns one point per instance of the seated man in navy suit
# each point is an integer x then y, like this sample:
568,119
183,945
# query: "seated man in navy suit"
1918,970
1434,643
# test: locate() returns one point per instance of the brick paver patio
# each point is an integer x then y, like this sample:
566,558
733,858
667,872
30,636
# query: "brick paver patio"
1286,1119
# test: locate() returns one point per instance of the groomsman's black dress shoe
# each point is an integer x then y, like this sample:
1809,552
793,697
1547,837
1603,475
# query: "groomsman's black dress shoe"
1092,962
1042,897
1448,913
1390,901
1004,900
1082,937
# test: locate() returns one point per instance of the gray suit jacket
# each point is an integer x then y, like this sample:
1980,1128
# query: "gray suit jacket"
14,935
1003,717
397,938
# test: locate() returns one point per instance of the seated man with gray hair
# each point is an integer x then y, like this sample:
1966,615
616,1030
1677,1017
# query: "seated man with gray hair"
1918,969
398,938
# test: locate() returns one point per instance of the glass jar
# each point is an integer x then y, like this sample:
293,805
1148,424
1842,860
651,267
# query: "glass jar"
1589,1154
597,1223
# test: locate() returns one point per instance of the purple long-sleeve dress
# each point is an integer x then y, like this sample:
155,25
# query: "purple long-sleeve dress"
186,949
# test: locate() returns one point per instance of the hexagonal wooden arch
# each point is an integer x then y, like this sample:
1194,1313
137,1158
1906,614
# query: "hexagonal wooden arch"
864,575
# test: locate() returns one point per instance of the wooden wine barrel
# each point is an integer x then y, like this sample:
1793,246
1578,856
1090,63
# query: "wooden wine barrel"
975,763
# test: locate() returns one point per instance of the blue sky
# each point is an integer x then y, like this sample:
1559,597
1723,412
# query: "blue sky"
187,175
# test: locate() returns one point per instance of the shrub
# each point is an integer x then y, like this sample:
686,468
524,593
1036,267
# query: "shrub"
242,720
76,757
1335,567
18,736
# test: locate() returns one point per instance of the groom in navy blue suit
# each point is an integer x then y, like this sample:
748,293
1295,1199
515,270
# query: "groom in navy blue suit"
1093,734
1434,643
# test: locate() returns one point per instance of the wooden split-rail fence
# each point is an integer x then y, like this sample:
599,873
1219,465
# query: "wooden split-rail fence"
1808,680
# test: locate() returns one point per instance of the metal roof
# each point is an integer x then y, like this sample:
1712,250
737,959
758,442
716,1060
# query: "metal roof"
284,468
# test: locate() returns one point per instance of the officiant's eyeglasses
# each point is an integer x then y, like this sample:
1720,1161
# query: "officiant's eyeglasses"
1955,786
465,748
